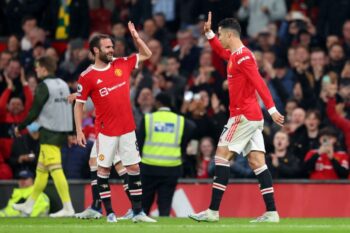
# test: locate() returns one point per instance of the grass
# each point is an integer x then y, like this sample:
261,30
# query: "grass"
171,225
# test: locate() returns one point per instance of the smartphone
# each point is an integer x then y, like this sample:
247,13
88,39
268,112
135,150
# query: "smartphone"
188,96
325,141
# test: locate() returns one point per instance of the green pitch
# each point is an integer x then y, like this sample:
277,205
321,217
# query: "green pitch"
171,225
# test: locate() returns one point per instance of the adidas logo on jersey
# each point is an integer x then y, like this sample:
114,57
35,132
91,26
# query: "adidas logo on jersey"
99,81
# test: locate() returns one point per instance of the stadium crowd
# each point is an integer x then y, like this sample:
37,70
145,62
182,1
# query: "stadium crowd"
302,49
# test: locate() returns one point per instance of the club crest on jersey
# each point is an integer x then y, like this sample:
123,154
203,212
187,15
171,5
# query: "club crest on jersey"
118,72
101,157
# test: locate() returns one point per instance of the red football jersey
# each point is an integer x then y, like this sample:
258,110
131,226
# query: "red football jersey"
324,168
244,81
109,91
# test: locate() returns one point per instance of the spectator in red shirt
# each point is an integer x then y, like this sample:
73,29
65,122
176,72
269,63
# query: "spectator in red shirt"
326,162
206,153
335,117
12,111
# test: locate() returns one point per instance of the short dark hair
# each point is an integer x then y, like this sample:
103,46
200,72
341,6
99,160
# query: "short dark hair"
27,18
328,131
314,112
230,23
164,99
48,63
95,42
317,49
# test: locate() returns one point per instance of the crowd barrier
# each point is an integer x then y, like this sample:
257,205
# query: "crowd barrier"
294,198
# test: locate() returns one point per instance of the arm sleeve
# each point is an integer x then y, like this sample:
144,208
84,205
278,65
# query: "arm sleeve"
218,49
248,66
333,116
278,10
341,171
40,98
83,89
29,99
132,61
310,161
3,101
141,135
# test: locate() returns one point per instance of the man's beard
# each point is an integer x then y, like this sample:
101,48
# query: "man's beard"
104,58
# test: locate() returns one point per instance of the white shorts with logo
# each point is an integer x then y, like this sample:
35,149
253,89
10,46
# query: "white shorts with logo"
93,154
242,135
111,150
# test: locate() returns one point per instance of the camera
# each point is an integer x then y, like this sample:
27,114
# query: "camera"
301,24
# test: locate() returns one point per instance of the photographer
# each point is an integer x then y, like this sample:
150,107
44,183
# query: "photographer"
327,162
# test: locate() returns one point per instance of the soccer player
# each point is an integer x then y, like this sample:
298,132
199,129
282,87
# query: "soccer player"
243,131
107,83
94,211
54,114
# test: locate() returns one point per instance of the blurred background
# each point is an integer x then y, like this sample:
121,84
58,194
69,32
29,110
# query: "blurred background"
302,48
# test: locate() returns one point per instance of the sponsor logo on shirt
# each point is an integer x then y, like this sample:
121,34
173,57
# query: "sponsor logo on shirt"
243,59
106,90
79,88
99,81
118,72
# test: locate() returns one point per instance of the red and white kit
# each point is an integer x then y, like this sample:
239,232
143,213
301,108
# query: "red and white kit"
109,89
243,131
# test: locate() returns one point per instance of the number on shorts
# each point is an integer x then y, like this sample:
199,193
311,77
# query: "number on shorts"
137,146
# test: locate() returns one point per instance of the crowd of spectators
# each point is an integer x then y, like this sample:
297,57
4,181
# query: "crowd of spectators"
302,49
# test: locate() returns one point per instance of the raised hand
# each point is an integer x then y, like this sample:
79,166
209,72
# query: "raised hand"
207,25
23,77
9,82
133,32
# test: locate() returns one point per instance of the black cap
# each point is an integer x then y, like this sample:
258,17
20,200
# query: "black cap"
25,174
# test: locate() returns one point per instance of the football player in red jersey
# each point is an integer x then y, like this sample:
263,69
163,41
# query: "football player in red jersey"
107,82
243,131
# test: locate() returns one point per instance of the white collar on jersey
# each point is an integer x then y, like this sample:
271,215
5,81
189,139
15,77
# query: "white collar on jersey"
101,69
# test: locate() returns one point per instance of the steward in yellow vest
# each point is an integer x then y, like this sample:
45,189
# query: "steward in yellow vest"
42,205
162,136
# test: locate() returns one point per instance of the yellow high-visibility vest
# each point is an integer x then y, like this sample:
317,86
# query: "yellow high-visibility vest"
162,147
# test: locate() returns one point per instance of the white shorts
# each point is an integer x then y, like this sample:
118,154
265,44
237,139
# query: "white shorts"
93,154
125,146
242,136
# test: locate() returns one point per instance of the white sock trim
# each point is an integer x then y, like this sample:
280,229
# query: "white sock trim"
260,169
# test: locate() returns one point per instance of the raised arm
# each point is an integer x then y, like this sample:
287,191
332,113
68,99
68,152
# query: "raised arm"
214,42
144,51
